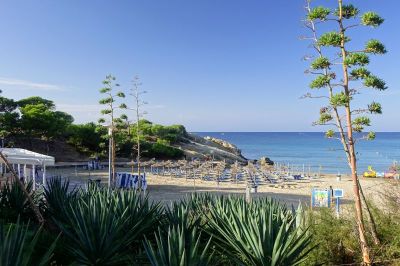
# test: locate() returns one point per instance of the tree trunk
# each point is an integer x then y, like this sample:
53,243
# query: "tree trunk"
371,221
352,155
113,160
138,157
357,202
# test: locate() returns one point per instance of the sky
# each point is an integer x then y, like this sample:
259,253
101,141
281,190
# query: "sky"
227,65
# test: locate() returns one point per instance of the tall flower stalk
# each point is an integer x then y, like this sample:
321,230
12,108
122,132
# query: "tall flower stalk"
110,116
341,70
137,93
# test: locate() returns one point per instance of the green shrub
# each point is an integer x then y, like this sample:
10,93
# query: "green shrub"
86,138
335,239
160,150
171,133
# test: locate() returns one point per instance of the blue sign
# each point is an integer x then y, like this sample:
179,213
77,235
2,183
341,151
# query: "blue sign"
320,198
338,193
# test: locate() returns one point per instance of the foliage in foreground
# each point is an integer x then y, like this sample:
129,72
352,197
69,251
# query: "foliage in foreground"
180,243
103,227
118,227
19,246
336,238
263,232
13,203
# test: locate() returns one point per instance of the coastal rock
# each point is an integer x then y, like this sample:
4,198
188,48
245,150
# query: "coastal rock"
264,161
195,146
223,143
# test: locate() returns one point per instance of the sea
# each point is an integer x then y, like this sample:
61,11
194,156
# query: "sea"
312,151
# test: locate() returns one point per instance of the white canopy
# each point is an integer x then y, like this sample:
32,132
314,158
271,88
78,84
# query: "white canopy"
22,156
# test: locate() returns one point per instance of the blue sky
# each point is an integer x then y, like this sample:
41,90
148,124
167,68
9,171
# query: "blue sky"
210,65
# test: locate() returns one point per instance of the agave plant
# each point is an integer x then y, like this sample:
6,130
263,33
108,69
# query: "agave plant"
260,233
182,214
181,244
107,227
13,202
143,216
58,198
19,246
178,247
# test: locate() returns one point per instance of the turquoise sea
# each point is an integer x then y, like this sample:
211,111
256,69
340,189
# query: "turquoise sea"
313,150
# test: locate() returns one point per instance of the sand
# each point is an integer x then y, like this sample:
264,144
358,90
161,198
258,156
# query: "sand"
167,189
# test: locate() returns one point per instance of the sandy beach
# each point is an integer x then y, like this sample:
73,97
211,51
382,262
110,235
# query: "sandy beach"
167,189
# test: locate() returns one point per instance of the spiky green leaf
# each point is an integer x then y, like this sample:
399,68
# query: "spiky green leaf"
375,47
330,134
340,99
371,135
120,94
371,19
357,59
362,120
319,12
375,82
320,82
320,63
332,39
324,118
348,11
375,108
360,73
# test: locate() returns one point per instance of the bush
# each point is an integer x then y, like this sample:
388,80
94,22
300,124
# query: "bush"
170,133
160,150
335,239
86,138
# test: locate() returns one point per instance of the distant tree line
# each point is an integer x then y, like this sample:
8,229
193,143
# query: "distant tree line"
37,118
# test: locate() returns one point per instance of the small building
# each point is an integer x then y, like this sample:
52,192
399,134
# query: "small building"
26,164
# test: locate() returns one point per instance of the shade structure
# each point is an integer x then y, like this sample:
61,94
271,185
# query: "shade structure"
22,156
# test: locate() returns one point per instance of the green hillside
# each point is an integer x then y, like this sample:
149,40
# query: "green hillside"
34,122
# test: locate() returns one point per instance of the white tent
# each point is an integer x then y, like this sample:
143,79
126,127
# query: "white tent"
21,157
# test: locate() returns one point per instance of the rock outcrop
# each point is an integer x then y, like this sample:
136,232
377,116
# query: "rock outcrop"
195,146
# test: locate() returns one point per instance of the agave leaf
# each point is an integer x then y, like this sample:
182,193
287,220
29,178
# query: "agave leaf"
19,247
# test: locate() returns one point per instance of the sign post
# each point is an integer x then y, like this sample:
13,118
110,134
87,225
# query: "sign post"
337,194
320,198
